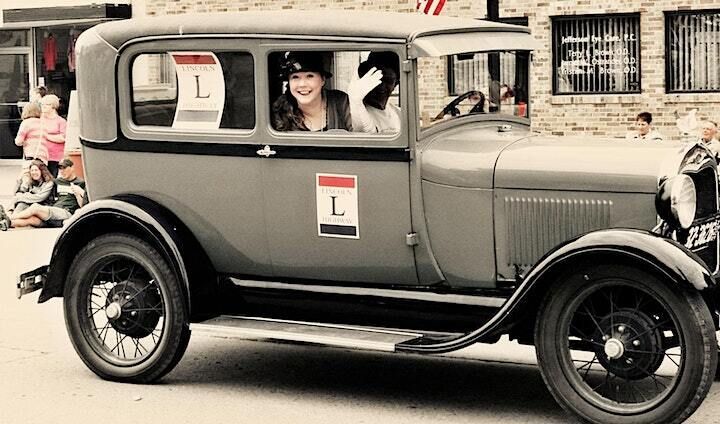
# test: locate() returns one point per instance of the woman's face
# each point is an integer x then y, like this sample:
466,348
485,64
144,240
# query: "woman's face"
35,173
306,87
47,107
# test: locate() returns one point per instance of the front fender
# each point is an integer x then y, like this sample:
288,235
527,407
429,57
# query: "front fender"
651,252
664,255
131,214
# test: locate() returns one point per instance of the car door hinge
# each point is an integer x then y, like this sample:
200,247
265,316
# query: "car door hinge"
411,239
406,66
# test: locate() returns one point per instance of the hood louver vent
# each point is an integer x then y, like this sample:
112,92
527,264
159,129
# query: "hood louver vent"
536,225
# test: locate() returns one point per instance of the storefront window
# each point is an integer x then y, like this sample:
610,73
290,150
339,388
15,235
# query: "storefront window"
14,80
19,38
692,43
596,54
55,60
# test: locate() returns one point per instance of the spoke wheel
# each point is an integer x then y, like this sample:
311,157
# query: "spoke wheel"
125,311
617,345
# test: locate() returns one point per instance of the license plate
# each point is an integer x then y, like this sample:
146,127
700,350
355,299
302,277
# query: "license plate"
703,233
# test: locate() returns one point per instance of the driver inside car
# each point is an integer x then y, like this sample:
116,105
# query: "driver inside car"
369,107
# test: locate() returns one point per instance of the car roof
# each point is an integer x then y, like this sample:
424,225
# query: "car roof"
311,23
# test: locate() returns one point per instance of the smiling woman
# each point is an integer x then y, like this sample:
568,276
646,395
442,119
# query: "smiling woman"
306,104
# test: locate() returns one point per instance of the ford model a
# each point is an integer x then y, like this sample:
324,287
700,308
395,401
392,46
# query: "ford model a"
456,226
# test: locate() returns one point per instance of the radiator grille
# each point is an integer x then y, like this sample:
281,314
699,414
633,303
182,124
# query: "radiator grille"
536,225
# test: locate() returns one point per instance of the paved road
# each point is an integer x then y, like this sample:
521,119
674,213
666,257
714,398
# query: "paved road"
230,381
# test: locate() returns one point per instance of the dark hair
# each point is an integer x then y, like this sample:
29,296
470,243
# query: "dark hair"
380,60
286,115
41,90
645,117
44,171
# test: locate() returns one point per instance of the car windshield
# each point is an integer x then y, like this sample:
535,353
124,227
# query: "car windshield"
468,83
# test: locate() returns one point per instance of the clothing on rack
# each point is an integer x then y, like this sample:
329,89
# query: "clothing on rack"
50,52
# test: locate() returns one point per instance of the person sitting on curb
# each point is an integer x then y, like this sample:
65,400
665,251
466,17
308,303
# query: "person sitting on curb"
643,129
35,185
71,195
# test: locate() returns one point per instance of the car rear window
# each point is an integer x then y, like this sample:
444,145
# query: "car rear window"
194,90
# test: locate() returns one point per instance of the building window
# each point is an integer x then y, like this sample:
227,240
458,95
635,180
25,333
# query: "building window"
14,38
692,43
466,72
596,54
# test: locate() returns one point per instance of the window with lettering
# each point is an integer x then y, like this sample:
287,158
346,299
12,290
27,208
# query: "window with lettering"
596,54
194,90
692,43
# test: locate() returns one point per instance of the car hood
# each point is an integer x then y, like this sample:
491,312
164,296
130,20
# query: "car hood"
583,164
479,156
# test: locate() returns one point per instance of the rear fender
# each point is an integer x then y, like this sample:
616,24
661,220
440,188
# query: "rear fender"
131,215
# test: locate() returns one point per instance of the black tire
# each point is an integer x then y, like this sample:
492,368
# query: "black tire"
125,311
717,370
616,345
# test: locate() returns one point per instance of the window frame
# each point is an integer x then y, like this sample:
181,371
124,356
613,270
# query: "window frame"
669,15
518,20
331,138
597,17
124,85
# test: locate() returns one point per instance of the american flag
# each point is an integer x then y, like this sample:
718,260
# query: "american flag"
430,7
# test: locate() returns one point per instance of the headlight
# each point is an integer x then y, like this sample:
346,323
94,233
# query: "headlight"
676,201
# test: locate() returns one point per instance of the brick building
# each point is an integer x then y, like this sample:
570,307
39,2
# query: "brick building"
600,63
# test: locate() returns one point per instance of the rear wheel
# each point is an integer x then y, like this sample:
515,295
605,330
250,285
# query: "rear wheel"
615,344
125,310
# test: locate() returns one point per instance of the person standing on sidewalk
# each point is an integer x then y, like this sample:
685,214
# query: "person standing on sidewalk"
29,135
53,128
709,136
71,195
643,129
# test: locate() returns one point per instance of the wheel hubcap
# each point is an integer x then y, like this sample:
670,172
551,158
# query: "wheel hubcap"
614,349
113,311
132,308
632,345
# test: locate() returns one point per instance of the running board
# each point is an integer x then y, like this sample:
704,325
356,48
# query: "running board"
307,332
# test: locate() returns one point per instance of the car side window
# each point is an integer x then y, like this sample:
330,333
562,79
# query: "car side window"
194,90
325,91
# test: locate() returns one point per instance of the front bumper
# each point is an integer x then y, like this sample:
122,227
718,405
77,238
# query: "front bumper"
31,281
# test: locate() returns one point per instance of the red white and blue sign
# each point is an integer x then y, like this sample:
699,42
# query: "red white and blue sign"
201,90
337,205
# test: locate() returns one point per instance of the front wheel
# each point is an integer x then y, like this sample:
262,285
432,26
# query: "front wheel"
615,344
125,310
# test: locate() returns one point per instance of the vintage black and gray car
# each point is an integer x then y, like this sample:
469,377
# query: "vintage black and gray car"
456,226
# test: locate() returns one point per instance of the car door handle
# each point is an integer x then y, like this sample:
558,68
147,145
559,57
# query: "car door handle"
266,151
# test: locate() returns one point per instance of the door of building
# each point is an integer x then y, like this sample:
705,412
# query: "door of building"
14,91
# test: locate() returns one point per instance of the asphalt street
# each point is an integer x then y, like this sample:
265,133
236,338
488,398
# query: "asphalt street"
222,380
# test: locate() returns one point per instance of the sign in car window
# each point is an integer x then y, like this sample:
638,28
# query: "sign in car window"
201,90
337,205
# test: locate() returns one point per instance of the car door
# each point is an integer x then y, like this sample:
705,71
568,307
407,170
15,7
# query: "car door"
188,124
337,203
